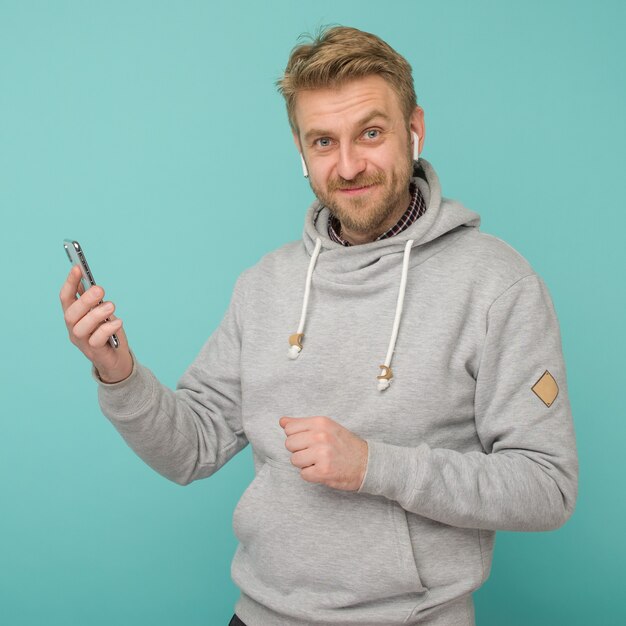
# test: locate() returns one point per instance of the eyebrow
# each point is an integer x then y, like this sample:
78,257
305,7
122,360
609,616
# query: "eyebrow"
370,116
316,132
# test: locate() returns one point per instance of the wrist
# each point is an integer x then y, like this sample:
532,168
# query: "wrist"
116,375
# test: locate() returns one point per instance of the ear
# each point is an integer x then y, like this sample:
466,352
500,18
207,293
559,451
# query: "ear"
417,125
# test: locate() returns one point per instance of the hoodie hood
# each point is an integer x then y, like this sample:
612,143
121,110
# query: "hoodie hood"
426,236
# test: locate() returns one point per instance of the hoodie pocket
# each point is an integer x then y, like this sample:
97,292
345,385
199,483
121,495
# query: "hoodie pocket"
308,545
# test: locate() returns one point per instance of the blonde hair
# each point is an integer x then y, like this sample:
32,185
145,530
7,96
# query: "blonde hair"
339,54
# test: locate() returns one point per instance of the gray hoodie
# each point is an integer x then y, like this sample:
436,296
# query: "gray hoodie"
469,432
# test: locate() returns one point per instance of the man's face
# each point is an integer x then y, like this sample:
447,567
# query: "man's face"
357,146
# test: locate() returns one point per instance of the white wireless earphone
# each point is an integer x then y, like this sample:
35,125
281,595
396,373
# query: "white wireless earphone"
416,146
304,169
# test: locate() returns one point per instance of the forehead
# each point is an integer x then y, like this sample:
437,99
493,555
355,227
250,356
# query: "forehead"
346,104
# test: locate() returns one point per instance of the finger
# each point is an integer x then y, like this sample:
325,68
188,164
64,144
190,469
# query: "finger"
69,288
301,424
311,474
121,333
293,425
299,441
304,458
90,321
100,337
83,305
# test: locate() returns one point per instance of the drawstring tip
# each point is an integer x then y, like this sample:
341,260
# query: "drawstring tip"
295,345
383,384
384,380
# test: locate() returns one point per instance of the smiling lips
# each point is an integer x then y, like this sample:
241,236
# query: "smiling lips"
356,190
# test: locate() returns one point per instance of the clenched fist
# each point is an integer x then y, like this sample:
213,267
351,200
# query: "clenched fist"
325,451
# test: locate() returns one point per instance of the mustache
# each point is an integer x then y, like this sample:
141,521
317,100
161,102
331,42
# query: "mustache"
365,180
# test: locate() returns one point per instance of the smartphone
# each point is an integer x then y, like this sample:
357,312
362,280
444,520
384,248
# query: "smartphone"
77,257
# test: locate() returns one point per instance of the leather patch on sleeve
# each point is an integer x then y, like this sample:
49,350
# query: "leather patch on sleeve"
546,388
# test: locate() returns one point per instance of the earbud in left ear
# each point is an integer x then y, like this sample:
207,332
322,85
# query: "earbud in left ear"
305,171
416,146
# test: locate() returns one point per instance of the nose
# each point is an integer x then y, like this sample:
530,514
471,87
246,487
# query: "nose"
351,163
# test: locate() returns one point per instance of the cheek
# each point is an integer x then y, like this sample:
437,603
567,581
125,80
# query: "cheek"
386,158
394,157
320,171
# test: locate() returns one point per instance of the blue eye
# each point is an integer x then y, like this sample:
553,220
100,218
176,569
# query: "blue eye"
323,142
372,133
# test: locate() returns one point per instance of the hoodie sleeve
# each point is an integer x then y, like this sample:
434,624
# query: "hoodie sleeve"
189,433
527,477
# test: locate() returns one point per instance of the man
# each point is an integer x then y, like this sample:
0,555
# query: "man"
378,487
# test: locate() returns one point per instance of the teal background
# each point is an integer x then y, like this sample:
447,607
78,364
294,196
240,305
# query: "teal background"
152,133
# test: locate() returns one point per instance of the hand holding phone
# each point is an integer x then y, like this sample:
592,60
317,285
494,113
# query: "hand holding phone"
92,327
77,257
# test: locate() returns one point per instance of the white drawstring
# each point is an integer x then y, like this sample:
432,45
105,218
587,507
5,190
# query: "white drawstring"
384,380
295,341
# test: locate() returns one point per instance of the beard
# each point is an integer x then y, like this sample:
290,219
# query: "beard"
363,214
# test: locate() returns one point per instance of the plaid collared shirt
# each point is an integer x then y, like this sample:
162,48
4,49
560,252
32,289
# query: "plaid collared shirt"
417,208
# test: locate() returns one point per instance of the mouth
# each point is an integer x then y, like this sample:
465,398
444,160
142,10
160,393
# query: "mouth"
356,191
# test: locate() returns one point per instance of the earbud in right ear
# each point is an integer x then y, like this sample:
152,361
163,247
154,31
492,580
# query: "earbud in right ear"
305,171
416,146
